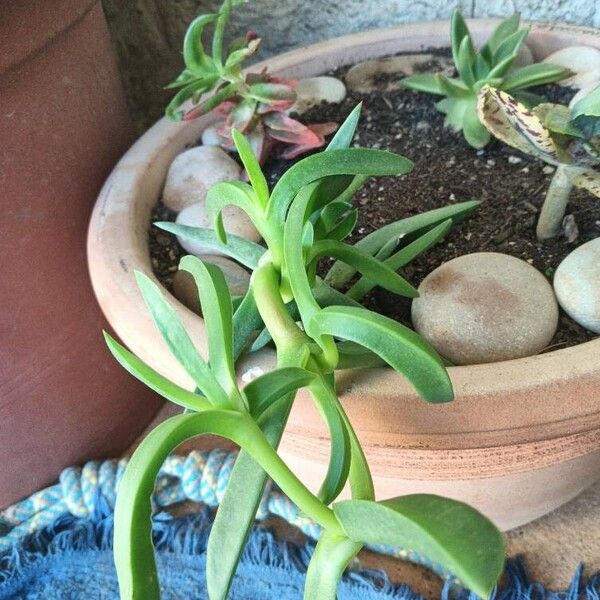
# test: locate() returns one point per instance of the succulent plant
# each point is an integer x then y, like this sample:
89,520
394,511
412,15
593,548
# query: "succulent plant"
492,64
315,330
568,138
254,104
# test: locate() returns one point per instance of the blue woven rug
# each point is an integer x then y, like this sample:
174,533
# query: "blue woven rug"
72,560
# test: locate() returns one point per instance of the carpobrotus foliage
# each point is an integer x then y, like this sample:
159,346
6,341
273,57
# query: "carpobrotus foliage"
315,329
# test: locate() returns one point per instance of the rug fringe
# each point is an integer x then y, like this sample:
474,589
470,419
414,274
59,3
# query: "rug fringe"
189,535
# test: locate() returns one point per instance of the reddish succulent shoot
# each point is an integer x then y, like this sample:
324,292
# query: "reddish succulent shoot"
255,104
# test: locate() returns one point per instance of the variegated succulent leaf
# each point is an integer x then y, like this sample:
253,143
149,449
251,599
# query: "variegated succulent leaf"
588,179
516,125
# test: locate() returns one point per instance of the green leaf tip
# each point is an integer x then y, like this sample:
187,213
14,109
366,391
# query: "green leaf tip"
447,532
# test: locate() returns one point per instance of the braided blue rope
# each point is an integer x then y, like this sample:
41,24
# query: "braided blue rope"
199,477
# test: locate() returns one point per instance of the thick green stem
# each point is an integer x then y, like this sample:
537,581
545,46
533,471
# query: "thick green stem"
554,207
283,329
263,453
331,557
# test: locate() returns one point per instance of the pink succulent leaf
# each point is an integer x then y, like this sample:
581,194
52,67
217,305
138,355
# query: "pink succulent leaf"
299,144
242,115
251,35
289,82
323,129
259,142
306,137
298,149
225,108
276,106
282,122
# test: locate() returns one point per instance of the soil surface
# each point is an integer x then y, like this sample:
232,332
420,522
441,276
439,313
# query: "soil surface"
510,185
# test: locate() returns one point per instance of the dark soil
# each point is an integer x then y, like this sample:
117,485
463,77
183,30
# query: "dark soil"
510,185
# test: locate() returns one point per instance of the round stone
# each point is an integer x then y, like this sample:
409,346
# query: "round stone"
210,137
584,61
194,172
235,220
485,307
367,76
314,90
524,57
184,287
577,285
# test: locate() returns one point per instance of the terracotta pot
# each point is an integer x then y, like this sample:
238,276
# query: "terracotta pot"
64,124
522,436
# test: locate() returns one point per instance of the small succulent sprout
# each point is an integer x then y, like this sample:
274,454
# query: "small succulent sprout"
493,64
566,138
255,104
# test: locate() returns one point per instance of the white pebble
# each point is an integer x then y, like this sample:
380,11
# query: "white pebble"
485,307
210,136
584,61
577,285
194,172
234,219
314,90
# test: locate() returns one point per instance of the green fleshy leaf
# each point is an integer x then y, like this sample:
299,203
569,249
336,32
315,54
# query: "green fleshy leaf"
329,561
423,82
243,251
508,50
475,133
154,380
458,31
246,320
401,258
199,86
236,513
339,274
505,29
363,262
178,341
339,456
194,56
133,549
454,88
271,92
536,74
355,161
272,386
399,346
354,356
232,193
255,174
466,61
448,532
343,136
589,105
557,118
215,300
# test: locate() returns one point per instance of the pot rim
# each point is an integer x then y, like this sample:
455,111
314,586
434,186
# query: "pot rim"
514,401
